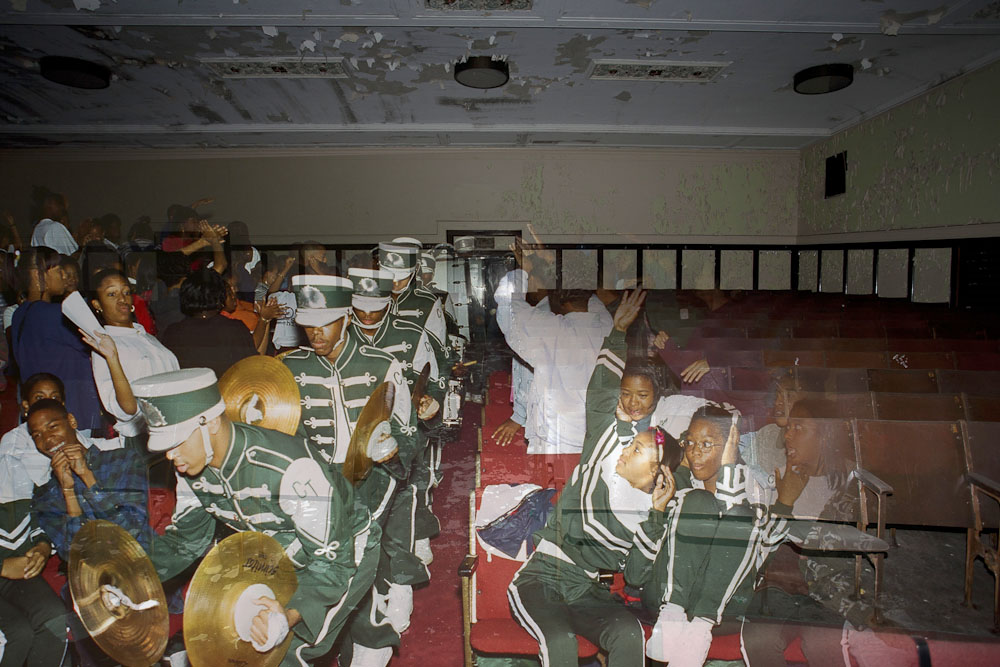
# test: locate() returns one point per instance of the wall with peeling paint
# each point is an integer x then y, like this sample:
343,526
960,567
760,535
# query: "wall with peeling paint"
358,196
931,162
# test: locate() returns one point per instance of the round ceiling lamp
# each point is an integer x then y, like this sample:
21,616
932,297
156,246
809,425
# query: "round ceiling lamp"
482,72
823,79
75,72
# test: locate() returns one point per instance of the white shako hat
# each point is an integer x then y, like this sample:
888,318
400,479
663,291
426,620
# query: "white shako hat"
372,289
409,241
320,300
398,259
176,403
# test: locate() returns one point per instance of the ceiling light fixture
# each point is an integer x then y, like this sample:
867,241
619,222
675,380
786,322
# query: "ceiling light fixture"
75,72
823,79
482,72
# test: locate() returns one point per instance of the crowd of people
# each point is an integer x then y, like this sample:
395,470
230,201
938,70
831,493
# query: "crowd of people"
99,406
668,489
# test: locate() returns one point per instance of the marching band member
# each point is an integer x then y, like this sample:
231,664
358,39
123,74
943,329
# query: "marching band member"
249,478
413,302
336,376
414,348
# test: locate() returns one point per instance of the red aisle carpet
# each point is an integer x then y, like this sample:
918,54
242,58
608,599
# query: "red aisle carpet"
435,634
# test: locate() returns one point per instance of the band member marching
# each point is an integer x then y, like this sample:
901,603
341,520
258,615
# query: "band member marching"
254,479
415,303
336,376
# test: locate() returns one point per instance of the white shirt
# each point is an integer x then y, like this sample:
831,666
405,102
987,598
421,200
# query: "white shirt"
286,332
673,413
141,355
23,467
52,234
563,351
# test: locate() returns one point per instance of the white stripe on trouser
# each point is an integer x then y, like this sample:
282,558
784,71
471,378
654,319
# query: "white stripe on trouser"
326,624
413,518
385,499
524,618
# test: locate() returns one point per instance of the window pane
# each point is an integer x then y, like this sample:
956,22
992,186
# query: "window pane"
698,269
892,273
619,269
932,275
579,269
737,269
832,277
859,270
774,269
659,269
808,262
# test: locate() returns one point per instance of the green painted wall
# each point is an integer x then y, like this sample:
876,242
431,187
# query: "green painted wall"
931,162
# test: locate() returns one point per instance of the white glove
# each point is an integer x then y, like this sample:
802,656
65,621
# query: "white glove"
277,630
381,444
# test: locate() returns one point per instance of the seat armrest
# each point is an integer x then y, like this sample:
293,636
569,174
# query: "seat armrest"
871,482
468,566
985,483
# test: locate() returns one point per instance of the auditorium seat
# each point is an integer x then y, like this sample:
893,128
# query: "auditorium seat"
855,359
982,408
788,358
985,383
753,379
981,361
920,360
903,381
832,380
918,407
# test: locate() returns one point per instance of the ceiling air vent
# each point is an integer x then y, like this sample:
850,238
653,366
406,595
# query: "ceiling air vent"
656,70
272,68
479,5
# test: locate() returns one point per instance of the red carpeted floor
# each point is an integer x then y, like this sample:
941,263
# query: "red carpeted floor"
435,634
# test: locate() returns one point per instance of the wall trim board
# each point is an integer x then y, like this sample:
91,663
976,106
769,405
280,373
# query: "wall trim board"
907,235
161,154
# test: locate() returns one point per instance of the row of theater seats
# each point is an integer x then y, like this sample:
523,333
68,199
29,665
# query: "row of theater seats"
918,473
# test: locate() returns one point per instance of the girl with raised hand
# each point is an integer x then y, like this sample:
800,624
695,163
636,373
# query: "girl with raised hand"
124,352
562,590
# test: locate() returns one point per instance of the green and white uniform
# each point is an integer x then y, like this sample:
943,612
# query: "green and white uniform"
277,484
413,348
420,306
704,551
557,593
332,395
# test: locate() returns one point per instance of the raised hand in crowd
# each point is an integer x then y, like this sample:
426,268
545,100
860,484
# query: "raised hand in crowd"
629,309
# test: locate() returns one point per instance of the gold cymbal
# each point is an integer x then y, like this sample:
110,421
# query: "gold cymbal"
110,575
378,409
261,391
420,386
234,564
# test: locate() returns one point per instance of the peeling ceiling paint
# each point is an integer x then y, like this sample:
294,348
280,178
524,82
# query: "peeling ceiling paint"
399,56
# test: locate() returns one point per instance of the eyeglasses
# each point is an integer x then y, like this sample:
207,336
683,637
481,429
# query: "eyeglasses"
705,445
